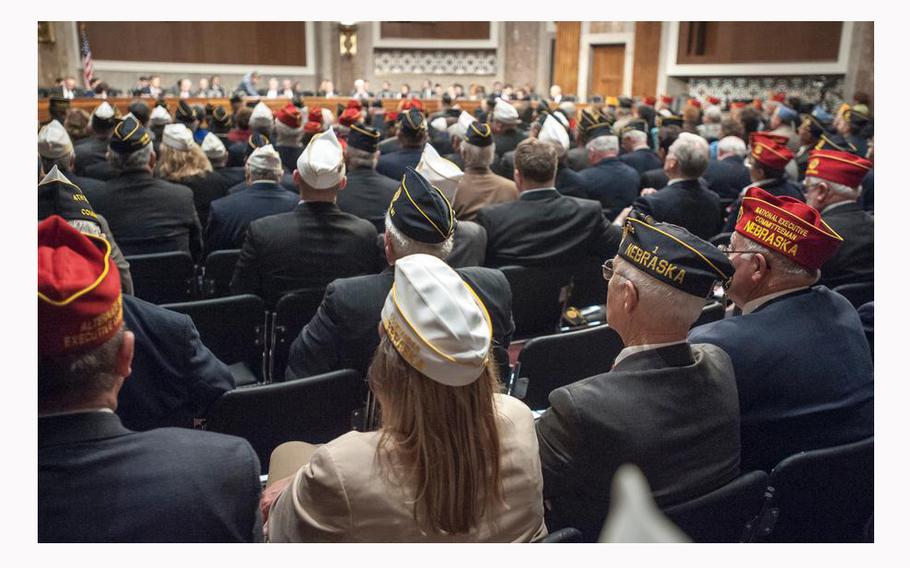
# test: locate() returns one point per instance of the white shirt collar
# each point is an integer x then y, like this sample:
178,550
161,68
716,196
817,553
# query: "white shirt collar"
644,347
677,180
833,205
80,411
755,184
753,305
529,191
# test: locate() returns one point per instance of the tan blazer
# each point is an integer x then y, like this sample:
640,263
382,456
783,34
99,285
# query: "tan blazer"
342,496
481,187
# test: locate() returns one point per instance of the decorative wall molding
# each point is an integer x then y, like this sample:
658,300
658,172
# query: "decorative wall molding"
435,61
806,87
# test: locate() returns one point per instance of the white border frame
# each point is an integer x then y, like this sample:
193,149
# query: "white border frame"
674,69
589,40
491,43
209,68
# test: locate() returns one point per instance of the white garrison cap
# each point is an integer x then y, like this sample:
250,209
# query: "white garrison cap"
264,158
54,175
53,141
104,111
262,116
321,164
460,128
633,516
440,172
177,136
213,147
505,112
554,133
436,322
567,107
328,118
439,123
159,116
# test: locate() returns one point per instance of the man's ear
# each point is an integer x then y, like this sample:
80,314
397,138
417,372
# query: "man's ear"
822,191
124,360
153,159
296,177
630,296
343,183
760,267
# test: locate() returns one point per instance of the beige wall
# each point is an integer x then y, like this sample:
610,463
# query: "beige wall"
60,58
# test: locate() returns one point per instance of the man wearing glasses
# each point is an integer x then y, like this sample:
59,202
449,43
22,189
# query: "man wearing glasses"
668,405
803,368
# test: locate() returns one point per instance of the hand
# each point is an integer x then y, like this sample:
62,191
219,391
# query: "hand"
621,218
648,191
271,494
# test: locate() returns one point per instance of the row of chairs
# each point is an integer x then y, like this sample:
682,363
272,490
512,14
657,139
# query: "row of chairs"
170,277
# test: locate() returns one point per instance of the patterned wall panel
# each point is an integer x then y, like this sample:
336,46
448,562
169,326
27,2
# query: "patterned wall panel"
435,61
805,87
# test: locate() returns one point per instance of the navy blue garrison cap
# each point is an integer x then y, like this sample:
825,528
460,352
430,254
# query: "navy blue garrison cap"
420,210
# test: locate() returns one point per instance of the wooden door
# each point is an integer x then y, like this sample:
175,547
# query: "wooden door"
607,65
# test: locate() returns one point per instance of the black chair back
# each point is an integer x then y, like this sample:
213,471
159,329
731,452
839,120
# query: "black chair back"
219,268
313,409
292,312
823,495
233,328
858,293
711,312
723,515
588,285
567,534
720,239
549,362
538,298
163,277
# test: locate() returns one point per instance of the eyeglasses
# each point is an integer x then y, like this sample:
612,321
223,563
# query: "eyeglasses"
609,271
727,250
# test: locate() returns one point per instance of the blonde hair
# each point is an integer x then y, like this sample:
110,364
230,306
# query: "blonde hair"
443,441
175,165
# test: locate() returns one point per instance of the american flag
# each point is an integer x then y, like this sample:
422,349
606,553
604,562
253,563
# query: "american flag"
86,53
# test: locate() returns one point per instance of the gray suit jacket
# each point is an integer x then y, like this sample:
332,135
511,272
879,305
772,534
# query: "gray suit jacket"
671,411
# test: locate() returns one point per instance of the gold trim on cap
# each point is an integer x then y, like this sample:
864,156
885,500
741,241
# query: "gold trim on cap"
832,233
90,287
700,255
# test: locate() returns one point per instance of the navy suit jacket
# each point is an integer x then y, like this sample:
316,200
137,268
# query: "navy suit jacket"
778,187
854,260
175,377
394,164
611,182
727,177
642,160
230,216
101,482
803,372
367,195
686,203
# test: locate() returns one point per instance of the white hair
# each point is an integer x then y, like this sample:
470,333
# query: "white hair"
675,307
779,263
604,145
132,161
691,151
839,189
731,145
713,114
477,156
403,245
257,174
636,136
358,158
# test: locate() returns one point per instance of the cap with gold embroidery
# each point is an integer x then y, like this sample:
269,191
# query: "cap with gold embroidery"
221,120
412,120
436,322
256,140
479,134
440,172
79,302
321,164
349,116
129,136
289,116
816,124
787,226
834,141
420,210
670,120
770,150
57,195
185,113
839,167
364,138
674,256
54,141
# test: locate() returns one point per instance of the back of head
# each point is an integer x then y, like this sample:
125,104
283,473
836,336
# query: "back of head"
691,153
242,118
536,161
731,146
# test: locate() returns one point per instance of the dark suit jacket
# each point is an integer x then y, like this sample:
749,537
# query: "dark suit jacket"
569,182
344,332
656,178
88,185
867,199
90,150
206,188
854,261
100,482
231,215
545,228
577,158
508,140
286,182
803,372
671,411
102,171
611,182
306,248
727,177
393,165
233,175
455,158
389,145
469,247
778,187
642,160
289,155
149,215
175,377
686,203
368,195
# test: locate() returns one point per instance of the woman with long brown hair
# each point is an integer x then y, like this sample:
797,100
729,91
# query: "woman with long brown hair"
453,459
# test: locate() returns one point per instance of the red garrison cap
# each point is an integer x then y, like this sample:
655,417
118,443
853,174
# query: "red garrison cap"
788,226
79,302
768,149
289,116
714,100
651,101
355,103
349,116
411,103
737,105
695,103
779,96
666,100
840,167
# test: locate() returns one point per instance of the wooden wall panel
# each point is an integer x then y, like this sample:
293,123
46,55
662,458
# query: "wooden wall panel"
237,43
607,64
565,59
646,58
435,30
758,42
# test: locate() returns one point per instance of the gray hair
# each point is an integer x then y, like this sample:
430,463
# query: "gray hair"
358,158
86,226
783,266
732,145
839,189
257,174
636,136
676,308
477,156
713,114
133,161
403,245
691,151
604,145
